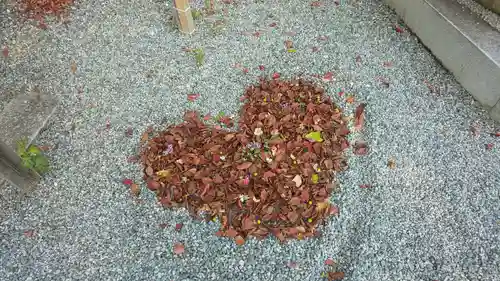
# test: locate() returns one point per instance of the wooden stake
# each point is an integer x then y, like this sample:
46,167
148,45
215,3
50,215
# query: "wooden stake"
183,16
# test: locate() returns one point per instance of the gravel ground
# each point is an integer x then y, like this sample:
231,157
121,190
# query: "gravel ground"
434,217
487,15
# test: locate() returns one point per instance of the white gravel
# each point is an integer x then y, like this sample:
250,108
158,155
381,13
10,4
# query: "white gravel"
434,217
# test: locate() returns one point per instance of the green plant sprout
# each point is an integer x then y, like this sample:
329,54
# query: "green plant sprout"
199,56
32,157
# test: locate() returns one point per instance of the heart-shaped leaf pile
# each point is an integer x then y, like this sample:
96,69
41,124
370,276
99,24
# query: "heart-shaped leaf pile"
273,176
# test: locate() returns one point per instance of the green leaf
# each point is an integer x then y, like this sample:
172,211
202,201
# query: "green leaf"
41,164
314,136
21,146
315,178
33,149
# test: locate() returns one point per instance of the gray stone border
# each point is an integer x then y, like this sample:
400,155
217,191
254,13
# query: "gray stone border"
464,43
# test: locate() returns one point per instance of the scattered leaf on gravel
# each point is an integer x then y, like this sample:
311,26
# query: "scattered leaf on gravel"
490,146
179,248
5,52
127,181
359,116
360,147
391,163
193,97
129,132
365,185
358,59
316,4
496,134
135,189
29,233
349,99
239,240
262,68
292,265
335,276
387,64
178,226
276,75
162,225
329,262
132,159
73,67
328,76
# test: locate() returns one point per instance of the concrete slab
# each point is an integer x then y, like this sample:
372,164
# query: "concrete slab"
26,115
465,44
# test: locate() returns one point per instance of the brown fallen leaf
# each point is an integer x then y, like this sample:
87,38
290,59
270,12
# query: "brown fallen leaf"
179,248
135,189
73,67
391,163
288,44
359,116
335,275
244,166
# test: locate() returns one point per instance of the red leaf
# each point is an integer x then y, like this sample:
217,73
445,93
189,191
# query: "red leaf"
153,185
193,97
273,24
316,4
207,117
328,76
334,210
29,233
329,261
178,226
365,185
387,64
245,70
497,134
490,146
127,181
5,51
292,265
399,29
256,34
179,248
261,67
163,225
242,98
108,124
276,75
216,158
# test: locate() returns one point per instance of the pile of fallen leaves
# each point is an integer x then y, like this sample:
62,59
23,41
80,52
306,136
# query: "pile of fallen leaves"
40,8
273,176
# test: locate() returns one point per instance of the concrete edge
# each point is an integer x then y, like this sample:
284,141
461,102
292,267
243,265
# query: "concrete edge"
463,42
